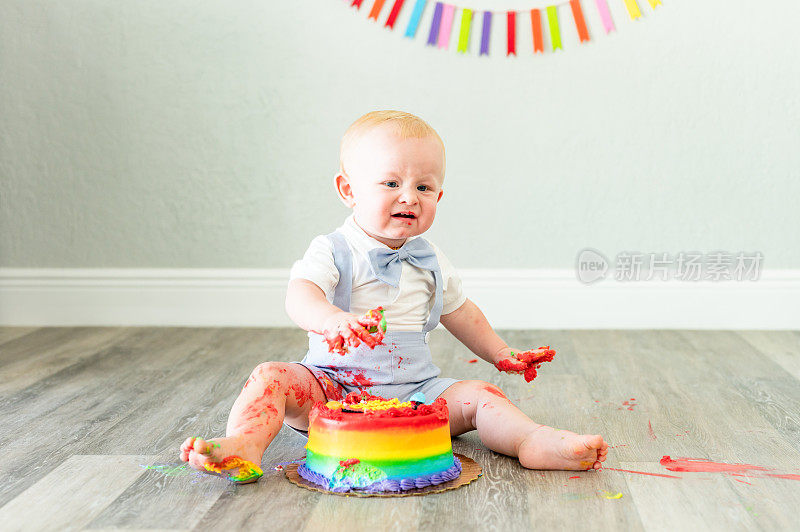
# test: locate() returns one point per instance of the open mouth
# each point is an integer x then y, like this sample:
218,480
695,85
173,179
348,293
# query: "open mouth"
407,215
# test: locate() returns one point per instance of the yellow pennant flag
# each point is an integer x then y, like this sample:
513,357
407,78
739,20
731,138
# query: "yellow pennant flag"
633,9
555,32
463,35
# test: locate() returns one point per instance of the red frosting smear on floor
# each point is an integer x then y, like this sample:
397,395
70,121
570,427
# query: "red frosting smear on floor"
701,465
472,361
650,430
787,477
641,472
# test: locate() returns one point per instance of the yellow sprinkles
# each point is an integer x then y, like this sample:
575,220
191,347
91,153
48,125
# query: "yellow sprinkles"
368,406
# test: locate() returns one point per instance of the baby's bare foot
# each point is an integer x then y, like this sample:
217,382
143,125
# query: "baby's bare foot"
200,453
549,448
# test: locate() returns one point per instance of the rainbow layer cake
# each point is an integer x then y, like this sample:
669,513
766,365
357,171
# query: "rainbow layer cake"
372,444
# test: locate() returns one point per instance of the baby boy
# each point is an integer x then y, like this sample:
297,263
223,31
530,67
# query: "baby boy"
391,174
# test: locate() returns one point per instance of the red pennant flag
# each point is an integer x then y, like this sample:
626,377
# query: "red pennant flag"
512,33
580,23
398,4
536,27
376,9
356,3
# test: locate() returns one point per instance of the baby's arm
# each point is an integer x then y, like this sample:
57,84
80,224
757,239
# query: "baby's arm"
308,307
470,326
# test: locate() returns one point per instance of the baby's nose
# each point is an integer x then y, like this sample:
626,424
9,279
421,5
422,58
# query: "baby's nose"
408,196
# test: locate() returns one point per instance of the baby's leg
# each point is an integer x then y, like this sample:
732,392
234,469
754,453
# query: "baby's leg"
504,428
274,390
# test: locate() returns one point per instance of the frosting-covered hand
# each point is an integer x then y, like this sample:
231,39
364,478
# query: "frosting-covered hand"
344,330
525,362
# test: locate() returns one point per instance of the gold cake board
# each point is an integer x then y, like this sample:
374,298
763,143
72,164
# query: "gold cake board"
470,470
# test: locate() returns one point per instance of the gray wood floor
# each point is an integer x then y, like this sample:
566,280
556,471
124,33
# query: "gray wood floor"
92,419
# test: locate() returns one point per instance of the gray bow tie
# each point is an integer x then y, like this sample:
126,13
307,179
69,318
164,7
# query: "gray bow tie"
385,263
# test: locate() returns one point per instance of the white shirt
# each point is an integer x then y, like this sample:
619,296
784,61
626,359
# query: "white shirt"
406,307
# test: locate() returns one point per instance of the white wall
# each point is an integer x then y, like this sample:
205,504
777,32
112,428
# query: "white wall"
204,134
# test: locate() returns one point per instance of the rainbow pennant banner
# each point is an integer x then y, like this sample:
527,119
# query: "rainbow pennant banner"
444,17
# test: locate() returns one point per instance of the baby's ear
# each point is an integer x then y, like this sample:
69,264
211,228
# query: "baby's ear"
344,190
440,196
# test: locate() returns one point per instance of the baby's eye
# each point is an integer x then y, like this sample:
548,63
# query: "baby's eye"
422,188
391,184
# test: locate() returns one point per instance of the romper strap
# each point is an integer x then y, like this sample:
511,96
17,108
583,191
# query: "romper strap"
438,303
343,259
438,300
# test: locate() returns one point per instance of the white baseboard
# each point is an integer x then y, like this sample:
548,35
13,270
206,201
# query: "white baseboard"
529,299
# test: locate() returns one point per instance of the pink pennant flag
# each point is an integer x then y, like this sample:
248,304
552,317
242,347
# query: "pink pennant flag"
447,25
605,15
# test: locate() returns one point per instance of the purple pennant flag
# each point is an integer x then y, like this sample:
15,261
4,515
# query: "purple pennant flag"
437,19
487,27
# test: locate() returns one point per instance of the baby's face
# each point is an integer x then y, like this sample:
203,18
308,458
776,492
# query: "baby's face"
394,184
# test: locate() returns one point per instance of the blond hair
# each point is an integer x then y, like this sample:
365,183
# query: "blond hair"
407,126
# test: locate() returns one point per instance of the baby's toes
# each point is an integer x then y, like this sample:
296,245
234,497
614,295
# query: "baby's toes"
197,460
594,442
201,446
187,445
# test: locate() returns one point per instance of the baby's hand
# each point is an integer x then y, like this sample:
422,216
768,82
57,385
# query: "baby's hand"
507,362
526,362
343,330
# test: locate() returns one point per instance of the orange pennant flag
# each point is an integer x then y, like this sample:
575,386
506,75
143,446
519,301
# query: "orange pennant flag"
536,27
580,23
376,9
